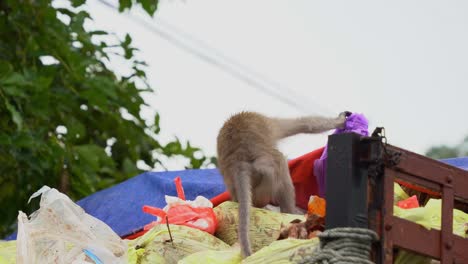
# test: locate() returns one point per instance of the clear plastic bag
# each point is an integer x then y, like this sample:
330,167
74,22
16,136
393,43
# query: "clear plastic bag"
62,232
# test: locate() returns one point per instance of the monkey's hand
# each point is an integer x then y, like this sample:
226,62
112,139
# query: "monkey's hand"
345,114
341,120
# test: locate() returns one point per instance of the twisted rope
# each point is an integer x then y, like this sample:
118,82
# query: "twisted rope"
343,245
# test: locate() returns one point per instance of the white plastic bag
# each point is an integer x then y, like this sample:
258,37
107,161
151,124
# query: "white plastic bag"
62,232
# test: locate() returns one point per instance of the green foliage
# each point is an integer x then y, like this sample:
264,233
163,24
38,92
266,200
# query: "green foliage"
149,6
443,152
67,121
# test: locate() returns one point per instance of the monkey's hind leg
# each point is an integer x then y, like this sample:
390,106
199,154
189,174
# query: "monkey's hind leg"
263,181
284,192
230,188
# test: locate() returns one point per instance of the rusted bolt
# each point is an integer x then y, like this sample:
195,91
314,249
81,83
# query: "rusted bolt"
448,245
388,227
449,179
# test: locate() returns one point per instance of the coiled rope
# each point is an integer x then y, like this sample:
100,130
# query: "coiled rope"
343,245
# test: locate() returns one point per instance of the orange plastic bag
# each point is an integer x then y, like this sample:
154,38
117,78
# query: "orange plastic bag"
317,206
197,214
411,202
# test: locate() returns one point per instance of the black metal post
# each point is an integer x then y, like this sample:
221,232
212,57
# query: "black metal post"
346,182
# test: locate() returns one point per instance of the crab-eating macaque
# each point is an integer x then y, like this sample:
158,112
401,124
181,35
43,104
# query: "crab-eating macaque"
255,172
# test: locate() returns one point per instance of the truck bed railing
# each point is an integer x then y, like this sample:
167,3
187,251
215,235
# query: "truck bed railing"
361,172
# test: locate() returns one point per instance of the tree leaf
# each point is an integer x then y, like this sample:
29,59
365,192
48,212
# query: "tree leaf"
66,11
15,115
5,68
124,4
156,127
23,140
129,168
150,6
14,79
98,32
77,3
5,139
76,131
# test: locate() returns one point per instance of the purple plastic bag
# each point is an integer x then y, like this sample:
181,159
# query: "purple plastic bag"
356,123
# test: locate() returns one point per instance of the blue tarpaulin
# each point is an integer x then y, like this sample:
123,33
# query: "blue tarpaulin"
461,163
120,206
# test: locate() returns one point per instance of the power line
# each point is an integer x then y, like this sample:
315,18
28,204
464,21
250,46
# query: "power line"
242,72
247,70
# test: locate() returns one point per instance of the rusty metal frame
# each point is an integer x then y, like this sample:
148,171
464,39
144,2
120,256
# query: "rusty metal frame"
353,159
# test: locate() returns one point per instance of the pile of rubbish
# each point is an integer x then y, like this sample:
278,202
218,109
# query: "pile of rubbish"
186,232
189,232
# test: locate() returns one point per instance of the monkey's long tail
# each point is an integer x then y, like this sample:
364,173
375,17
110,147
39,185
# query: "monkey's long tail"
244,197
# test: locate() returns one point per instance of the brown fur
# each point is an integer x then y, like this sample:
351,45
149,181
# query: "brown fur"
254,170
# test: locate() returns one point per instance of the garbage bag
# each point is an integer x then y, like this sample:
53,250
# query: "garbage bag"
281,251
62,232
156,246
284,251
404,257
8,252
398,193
429,216
228,256
356,123
265,225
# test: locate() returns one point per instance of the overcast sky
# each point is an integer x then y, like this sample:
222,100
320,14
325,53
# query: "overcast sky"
403,64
